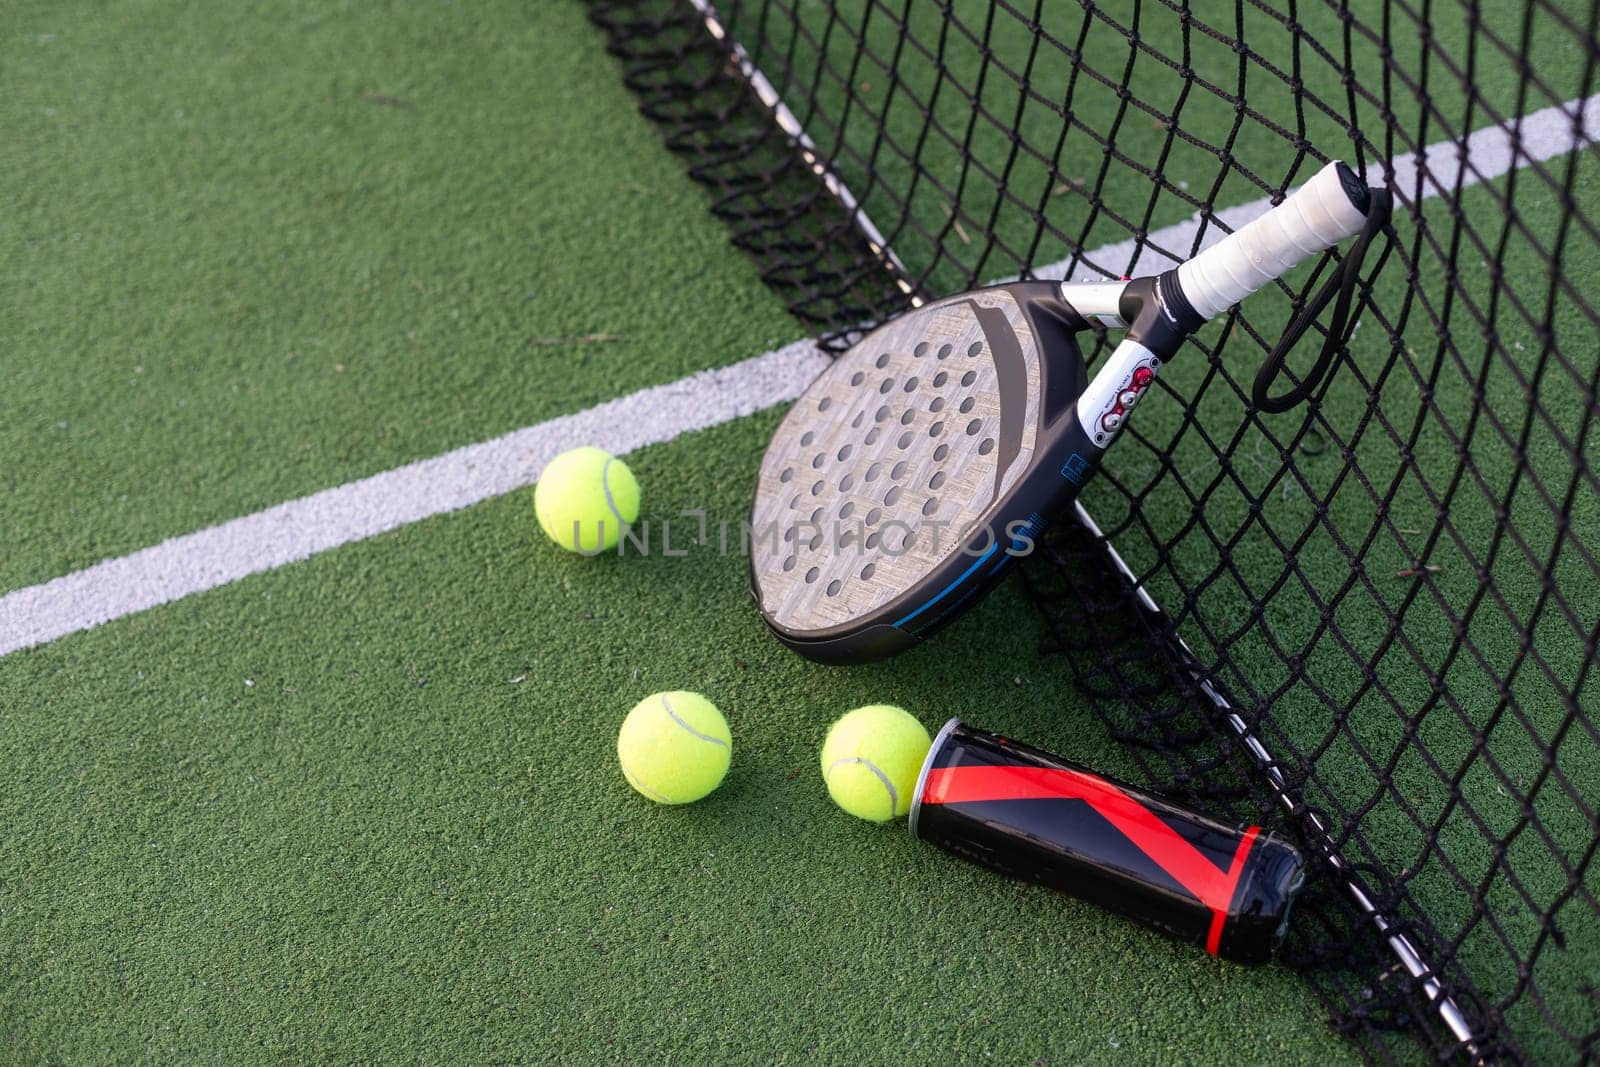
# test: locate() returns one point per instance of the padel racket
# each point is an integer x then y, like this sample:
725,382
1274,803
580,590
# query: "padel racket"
925,459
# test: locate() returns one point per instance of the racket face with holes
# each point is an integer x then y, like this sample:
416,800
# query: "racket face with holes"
915,469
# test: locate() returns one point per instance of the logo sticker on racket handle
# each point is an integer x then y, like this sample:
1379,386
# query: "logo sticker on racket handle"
1039,818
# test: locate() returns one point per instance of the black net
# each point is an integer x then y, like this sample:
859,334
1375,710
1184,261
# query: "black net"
1374,617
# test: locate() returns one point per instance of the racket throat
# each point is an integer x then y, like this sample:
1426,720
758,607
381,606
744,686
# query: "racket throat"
1161,318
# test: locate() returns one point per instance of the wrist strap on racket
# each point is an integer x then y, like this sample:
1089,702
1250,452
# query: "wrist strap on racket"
1343,285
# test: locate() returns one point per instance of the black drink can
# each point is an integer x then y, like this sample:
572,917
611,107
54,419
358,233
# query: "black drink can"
1040,818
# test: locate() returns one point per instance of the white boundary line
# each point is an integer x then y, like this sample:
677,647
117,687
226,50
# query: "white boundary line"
301,528
1487,154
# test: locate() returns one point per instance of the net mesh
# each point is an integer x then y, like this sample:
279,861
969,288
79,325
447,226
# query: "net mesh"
1393,589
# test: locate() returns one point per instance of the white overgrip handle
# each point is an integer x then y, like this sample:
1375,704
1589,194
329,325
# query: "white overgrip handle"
1315,217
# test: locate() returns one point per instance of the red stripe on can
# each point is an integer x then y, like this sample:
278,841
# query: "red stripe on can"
1168,849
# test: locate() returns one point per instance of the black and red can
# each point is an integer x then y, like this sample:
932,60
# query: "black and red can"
1037,817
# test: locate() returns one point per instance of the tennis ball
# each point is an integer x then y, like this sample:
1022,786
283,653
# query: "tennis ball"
674,747
871,760
585,498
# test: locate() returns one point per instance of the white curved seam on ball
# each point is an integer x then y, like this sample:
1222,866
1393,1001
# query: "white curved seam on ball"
704,737
605,484
894,797
633,780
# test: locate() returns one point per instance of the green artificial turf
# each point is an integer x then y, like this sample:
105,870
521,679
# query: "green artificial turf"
367,808
970,96
255,251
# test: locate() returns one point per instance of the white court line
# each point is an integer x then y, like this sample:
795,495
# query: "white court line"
301,528
1487,153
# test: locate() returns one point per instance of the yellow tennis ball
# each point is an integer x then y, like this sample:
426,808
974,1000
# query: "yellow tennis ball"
674,747
584,500
871,760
